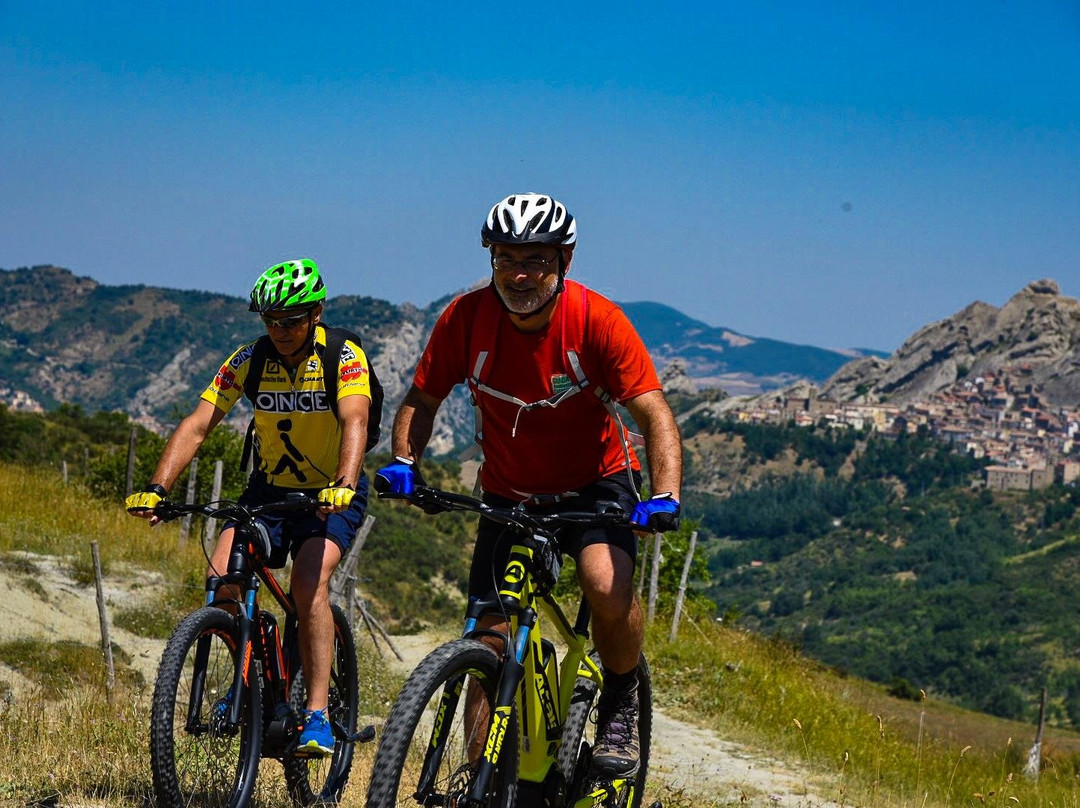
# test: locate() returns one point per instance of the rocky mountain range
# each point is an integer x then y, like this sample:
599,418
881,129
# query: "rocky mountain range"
149,351
1038,327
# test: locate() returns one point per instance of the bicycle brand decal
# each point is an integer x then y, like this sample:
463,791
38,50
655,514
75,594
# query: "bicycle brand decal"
496,733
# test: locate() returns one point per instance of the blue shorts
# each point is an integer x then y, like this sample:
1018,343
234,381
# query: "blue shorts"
288,531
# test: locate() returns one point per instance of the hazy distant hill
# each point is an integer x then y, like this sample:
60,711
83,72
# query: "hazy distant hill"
150,351
720,357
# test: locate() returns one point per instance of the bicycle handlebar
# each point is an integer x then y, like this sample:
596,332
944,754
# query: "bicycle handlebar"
435,500
229,509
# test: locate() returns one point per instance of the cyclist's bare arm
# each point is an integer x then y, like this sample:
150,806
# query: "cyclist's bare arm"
353,416
663,445
413,423
181,447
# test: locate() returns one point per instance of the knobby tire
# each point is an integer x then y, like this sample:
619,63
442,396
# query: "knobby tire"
408,731
196,763
321,781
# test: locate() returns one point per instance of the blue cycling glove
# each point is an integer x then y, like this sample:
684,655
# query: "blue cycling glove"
658,514
400,477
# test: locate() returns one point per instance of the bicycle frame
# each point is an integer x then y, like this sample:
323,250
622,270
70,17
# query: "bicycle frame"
279,662
523,684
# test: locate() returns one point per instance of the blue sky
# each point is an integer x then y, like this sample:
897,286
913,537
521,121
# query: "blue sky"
837,174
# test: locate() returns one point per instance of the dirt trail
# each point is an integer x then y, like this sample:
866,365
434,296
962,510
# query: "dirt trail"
685,758
692,759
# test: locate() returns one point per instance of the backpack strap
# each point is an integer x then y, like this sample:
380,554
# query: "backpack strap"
331,363
573,321
260,351
573,335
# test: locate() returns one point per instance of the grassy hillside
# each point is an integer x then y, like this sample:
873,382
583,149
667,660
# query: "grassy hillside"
856,744
878,557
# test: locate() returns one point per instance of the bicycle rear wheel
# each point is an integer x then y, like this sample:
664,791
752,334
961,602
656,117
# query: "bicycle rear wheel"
321,781
428,750
579,733
194,760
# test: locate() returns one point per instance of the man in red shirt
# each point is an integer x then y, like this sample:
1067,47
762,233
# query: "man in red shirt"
534,347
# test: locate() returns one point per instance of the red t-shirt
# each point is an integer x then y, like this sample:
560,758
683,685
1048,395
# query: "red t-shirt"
552,450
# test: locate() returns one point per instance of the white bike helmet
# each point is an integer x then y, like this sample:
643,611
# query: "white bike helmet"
529,219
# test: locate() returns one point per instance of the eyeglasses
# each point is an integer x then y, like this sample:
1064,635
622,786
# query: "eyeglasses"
286,322
533,266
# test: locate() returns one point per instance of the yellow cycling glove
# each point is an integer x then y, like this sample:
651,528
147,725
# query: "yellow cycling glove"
145,500
338,496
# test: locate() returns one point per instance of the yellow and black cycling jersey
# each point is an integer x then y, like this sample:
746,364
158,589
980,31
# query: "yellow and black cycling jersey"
297,436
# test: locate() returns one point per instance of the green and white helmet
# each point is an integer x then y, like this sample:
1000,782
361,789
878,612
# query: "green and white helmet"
288,285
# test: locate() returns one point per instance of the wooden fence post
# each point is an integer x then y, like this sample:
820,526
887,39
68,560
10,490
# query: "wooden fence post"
682,587
103,618
185,521
129,483
210,534
654,578
64,471
1034,761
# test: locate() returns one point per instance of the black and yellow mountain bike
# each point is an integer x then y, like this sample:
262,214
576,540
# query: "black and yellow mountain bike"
532,745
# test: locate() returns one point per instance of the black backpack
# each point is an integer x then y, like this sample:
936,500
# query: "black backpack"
263,349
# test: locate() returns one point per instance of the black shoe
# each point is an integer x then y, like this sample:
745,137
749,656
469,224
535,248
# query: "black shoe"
617,752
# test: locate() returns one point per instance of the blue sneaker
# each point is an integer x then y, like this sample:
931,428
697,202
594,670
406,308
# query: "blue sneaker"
317,739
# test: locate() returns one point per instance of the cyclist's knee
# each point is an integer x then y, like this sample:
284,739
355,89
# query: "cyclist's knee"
497,624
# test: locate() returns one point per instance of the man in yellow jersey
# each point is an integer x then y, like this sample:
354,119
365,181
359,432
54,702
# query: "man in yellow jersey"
302,446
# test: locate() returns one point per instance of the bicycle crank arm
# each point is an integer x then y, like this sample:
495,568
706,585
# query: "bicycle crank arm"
365,735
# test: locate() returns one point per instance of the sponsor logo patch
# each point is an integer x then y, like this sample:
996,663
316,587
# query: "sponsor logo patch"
353,371
293,401
225,379
560,383
347,354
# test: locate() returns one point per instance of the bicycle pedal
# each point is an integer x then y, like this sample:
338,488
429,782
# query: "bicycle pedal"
366,735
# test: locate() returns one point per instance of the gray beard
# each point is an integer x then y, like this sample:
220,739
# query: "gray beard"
529,305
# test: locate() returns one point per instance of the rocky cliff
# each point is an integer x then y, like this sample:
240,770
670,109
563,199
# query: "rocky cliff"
1038,327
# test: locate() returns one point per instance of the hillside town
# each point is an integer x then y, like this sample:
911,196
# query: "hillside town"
1001,417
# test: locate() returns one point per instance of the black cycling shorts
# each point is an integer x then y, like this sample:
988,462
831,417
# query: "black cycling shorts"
494,540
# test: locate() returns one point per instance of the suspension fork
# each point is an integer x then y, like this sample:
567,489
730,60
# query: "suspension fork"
513,671
246,618
433,756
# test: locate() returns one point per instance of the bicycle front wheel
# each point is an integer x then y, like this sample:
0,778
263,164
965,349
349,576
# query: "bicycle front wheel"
436,733
194,757
579,733
320,781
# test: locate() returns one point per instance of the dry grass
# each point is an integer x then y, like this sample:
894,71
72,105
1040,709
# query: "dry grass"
858,745
38,514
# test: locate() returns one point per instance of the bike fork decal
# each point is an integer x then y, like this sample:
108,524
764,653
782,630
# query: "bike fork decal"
247,662
496,733
447,702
